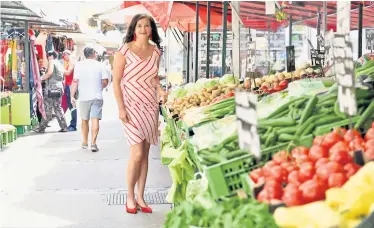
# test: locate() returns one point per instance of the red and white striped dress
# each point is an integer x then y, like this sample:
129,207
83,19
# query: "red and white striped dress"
140,95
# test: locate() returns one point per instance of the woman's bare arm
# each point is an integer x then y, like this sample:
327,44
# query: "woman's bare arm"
49,71
118,68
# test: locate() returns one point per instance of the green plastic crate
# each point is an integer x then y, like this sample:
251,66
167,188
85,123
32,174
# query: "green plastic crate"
3,139
12,135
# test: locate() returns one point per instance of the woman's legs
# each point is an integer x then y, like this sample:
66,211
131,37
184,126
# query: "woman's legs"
133,171
143,174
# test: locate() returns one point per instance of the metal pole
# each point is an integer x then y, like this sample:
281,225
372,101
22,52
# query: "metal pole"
188,57
27,58
360,12
318,27
224,36
324,18
208,40
290,32
235,6
197,43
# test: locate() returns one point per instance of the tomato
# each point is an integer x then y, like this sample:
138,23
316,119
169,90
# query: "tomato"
318,140
293,178
313,190
230,94
273,189
261,180
372,125
303,158
340,131
267,167
316,152
292,196
324,171
256,174
289,166
306,172
278,173
263,197
298,151
281,157
350,169
337,180
369,134
339,147
351,134
369,144
263,87
342,157
369,154
330,139
357,144
321,161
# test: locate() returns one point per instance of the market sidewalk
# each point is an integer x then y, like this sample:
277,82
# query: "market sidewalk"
48,181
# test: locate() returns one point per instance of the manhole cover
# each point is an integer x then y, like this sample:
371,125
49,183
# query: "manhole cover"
150,198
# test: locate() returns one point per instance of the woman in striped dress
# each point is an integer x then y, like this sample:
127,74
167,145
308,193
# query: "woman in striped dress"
137,88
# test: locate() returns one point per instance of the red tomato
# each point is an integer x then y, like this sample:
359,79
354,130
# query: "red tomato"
261,180
263,197
278,173
306,172
256,174
330,139
369,154
283,83
324,171
316,152
351,134
372,125
298,151
357,144
281,157
342,157
337,180
273,189
318,140
370,134
267,167
369,144
313,190
340,131
350,169
293,178
339,147
303,158
321,161
292,196
289,166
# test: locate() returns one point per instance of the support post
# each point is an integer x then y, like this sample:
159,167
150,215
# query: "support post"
360,15
196,66
27,58
236,39
324,21
224,36
318,27
290,32
208,40
188,57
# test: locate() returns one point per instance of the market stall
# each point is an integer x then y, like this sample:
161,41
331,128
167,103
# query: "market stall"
315,161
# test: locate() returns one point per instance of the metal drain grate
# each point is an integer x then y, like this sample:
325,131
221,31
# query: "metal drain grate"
150,198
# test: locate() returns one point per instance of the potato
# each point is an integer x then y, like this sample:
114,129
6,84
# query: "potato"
258,81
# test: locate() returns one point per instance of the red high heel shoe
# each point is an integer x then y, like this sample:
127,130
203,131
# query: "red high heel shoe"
144,209
131,210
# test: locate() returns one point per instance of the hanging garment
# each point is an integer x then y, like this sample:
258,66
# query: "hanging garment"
39,49
49,46
19,69
36,82
4,49
14,62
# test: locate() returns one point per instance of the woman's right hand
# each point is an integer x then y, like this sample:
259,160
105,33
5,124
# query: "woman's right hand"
124,116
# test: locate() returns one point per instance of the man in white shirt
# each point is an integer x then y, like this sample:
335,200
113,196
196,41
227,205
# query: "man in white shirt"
90,78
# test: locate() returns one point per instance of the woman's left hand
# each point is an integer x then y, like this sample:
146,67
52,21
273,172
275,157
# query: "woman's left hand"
164,96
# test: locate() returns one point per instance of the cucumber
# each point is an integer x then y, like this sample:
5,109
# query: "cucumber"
364,94
365,116
361,110
287,130
308,129
308,109
235,154
325,110
284,107
284,137
270,138
212,158
279,122
300,103
310,121
327,103
281,114
337,111
328,119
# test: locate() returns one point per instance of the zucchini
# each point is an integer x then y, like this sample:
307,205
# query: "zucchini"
365,116
279,122
308,109
284,137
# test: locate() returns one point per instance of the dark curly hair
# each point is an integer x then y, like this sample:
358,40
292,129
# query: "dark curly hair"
131,30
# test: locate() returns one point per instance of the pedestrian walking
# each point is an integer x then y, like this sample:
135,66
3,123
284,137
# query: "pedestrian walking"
136,87
53,93
90,78
69,74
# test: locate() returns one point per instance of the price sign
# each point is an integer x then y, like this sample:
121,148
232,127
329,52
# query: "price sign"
251,57
290,58
329,53
246,114
344,70
369,39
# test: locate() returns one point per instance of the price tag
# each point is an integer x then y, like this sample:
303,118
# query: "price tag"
369,39
344,71
290,58
246,114
251,57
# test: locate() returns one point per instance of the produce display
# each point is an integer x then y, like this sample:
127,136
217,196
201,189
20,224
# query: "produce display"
345,206
305,174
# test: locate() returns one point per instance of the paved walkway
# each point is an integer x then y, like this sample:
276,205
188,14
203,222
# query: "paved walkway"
48,181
